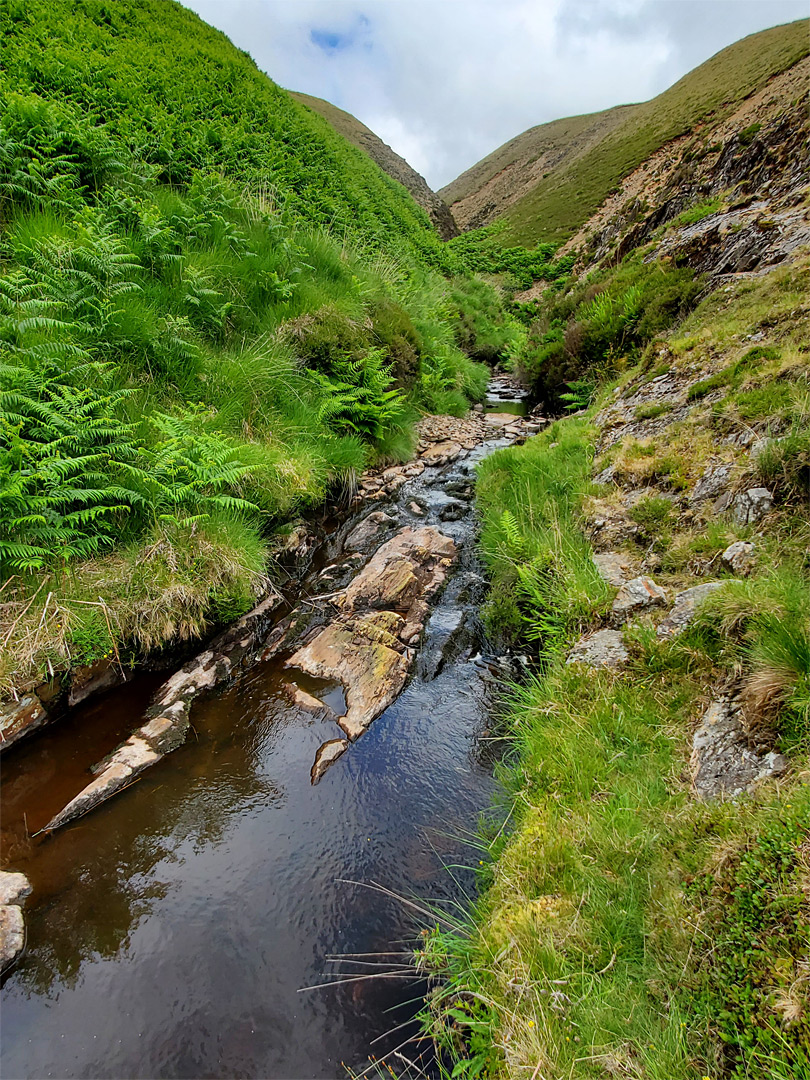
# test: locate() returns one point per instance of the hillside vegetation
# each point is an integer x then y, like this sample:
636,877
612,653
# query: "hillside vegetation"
188,355
588,156
389,161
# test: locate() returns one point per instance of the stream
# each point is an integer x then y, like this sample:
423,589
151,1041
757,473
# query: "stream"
172,931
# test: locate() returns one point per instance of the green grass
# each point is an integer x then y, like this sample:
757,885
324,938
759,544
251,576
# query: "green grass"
555,207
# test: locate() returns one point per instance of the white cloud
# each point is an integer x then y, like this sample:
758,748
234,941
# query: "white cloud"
445,82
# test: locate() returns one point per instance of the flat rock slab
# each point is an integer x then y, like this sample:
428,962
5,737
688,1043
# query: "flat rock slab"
636,595
18,718
604,649
363,654
442,453
327,755
685,608
722,763
615,567
12,934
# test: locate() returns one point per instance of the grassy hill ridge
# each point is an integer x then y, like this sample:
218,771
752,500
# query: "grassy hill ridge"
389,161
550,208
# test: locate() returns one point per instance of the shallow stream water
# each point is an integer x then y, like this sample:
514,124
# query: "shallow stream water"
172,931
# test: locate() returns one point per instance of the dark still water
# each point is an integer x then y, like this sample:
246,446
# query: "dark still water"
170,930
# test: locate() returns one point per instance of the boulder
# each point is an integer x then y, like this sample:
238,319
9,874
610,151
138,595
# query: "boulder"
685,608
327,755
722,762
636,595
739,557
442,453
604,649
751,506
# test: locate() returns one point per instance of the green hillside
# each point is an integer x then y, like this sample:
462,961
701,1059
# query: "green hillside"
553,145
562,200
213,312
182,98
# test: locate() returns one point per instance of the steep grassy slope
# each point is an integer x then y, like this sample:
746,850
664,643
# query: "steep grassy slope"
389,161
552,207
188,357
485,192
182,97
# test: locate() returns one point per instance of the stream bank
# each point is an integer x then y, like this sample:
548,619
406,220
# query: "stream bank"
170,932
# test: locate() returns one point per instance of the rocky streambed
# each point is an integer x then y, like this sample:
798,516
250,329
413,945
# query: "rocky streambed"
330,740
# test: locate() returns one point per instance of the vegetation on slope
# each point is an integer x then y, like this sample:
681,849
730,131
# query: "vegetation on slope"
626,928
389,161
564,198
187,357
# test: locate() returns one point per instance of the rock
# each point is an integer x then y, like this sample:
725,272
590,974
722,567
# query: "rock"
604,649
452,510
713,483
12,934
685,607
739,557
361,654
410,564
614,567
751,506
327,755
606,475
722,763
14,887
637,594
365,535
112,778
415,508
442,453
478,408
499,420
100,675
18,718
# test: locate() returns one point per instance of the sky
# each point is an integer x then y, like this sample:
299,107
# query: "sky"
445,82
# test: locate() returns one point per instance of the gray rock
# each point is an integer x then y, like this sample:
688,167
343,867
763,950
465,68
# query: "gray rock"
712,484
722,763
604,649
12,934
751,506
636,595
369,531
614,567
327,755
685,607
739,557
452,510
605,476
13,887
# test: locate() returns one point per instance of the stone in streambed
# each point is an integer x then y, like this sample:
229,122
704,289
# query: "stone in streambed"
442,453
18,718
14,887
12,934
327,755
363,655
369,531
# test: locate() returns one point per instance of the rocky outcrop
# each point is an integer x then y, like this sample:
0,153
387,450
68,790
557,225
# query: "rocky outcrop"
637,595
723,764
685,608
383,611
14,888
